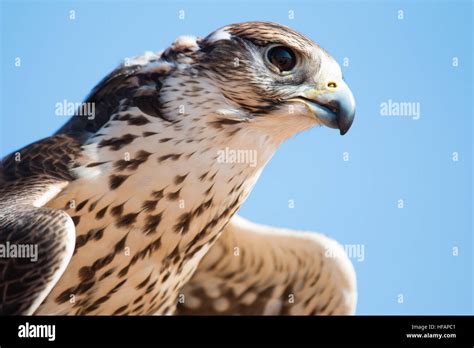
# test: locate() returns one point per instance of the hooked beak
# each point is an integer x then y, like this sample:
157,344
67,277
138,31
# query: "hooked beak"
333,105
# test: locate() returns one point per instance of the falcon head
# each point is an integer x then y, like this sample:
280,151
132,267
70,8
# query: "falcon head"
272,73
255,76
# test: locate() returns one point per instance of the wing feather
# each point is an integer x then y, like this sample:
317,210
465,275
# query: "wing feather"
29,178
25,281
254,269
35,174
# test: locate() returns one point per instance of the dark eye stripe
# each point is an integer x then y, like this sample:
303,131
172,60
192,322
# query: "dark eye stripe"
282,57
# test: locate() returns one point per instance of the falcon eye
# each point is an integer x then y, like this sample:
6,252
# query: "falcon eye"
282,57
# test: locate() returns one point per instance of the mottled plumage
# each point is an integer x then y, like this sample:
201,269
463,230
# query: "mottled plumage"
125,206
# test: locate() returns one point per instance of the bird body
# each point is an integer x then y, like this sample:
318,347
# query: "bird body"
141,193
179,216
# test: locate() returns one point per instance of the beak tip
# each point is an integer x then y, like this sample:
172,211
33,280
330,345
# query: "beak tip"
344,124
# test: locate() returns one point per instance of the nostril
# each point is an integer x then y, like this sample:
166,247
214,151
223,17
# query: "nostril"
332,84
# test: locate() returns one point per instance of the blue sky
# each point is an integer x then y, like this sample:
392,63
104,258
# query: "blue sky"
407,251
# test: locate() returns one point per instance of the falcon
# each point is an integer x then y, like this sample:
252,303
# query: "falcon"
133,210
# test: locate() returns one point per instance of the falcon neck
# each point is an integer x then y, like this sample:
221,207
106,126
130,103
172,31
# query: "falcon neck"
199,171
